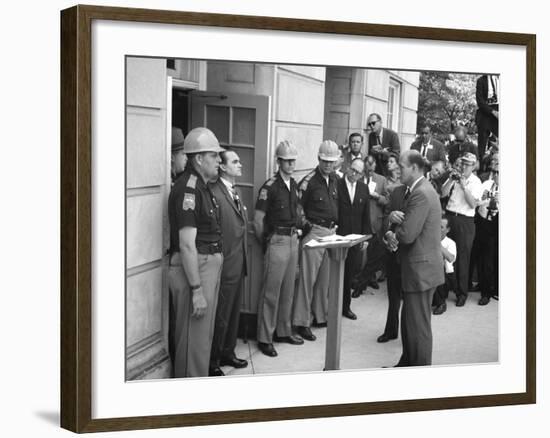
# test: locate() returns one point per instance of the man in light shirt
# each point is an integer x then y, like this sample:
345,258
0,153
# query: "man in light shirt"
448,251
464,191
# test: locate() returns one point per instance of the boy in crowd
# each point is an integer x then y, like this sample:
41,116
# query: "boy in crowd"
448,250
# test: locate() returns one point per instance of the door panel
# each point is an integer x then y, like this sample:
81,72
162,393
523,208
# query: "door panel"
240,122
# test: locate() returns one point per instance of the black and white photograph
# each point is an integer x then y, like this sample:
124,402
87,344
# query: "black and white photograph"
285,219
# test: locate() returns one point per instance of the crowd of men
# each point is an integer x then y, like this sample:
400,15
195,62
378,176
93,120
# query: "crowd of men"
432,212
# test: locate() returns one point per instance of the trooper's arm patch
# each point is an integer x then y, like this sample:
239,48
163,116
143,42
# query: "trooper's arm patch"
189,201
263,195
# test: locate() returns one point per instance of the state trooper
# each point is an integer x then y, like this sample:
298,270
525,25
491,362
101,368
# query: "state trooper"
319,198
195,256
277,219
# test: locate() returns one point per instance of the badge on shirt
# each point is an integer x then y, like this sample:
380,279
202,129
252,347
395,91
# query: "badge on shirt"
189,201
263,195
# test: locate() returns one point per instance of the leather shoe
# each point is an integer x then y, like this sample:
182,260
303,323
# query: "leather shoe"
385,338
356,293
215,371
484,301
305,332
373,284
292,340
349,314
461,300
318,324
267,349
440,309
234,362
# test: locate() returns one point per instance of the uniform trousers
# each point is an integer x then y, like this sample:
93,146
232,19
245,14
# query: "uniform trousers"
312,294
462,232
275,303
393,272
416,328
190,338
228,311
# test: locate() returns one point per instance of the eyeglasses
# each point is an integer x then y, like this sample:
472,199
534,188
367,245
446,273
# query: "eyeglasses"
372,123
354,171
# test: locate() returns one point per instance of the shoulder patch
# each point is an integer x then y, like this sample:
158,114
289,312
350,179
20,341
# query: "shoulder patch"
263,195
270,181
188,202
192,181
305,181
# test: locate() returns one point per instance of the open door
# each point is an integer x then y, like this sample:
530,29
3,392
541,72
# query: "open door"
241,123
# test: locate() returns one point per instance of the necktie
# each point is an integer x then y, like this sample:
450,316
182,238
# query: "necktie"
424,147
407,194
236,198
378,142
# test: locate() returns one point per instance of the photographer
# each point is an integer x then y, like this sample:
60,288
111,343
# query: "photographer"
464,191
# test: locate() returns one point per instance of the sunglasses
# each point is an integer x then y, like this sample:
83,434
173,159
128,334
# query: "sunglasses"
372,123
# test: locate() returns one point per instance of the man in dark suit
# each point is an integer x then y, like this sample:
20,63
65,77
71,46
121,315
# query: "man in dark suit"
487,110
381,142
354,150
460,145
417,236
353,218
430,149
234,224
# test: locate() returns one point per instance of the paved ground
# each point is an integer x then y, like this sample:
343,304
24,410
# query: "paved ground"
461,336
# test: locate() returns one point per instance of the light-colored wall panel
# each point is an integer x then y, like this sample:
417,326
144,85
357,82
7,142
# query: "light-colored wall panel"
232,77
143,300
144,228
299,100
412,77
408,125
317,73
146,82
377,84
307,141
337,127
340,91
406,141
146,152
410,96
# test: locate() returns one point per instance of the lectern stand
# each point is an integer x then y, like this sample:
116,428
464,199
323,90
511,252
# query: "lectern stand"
337,251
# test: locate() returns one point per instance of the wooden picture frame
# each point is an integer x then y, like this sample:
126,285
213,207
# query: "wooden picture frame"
76,217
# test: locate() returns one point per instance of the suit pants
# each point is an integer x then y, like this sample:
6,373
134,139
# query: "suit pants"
275,303
190,339
227,313
393,272
377,255
485,126
487,262
442,291
416,328
312,294
352,267
462,232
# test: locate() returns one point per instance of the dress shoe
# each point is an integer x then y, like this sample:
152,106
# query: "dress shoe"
461,300
385,338
234,362
373,284
349,314
292,339
356,293
215,371
305,332
319,324
484,301
440,309
267,349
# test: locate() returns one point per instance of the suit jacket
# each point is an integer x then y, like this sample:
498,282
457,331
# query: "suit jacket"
419,239
390,140
234,224
395,202
435,152
353,217
377,205
482,90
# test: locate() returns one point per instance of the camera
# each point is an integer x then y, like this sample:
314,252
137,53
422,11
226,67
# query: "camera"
455,175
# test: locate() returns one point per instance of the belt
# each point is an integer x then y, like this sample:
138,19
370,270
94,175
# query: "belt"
209,247
323,223
285,231
454,213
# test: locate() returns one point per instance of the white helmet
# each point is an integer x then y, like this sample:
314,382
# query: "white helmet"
328,151
286,151
201,140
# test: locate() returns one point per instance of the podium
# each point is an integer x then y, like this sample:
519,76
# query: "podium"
337,248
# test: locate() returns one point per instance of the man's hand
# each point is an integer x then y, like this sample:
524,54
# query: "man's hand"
396,217
199,303
391,240
375,195
378,148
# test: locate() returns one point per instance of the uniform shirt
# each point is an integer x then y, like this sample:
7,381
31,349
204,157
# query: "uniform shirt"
192,204
319,199
450,246
279,204
457,202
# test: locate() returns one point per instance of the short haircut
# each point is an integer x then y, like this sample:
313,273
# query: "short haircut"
355,134
414,157
378,117
426,127
370,156
445,217
356,159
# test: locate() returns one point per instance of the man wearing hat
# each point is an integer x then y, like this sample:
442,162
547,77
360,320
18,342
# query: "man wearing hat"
464,191
319,195
195,256
179,159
